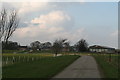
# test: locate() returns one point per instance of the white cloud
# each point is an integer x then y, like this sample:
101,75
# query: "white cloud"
71,35
50,26
115,33
36,31
54,18
82,1
27,7
27,35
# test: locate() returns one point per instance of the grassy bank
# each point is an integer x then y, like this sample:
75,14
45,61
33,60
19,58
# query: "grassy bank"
109,69
43,68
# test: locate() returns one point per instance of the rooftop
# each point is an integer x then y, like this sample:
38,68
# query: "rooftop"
100,47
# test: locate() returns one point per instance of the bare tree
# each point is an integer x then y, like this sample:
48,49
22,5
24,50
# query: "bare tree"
3,21
35,45
8,24
12,24
82,45
66,46
58,45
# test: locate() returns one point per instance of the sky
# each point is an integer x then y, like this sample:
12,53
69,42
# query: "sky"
96,22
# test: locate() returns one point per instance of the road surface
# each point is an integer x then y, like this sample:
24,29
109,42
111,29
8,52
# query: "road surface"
84,67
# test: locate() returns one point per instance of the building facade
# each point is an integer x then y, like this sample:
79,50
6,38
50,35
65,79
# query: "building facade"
104,49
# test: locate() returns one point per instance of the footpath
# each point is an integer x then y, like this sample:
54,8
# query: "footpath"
83,67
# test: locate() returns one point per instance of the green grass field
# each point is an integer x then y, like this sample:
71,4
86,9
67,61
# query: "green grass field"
109,67
45,65
42,68
26,51
8,59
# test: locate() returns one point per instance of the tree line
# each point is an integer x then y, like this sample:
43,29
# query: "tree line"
58,46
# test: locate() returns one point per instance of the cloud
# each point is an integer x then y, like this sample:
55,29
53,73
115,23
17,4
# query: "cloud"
82,1
55,24
36,31
54,18
114,34
45,24
27,7
27,35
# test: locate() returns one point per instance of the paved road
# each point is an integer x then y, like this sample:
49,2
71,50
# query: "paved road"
84,67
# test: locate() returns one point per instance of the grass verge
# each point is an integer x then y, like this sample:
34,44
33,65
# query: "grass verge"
43,68
108,70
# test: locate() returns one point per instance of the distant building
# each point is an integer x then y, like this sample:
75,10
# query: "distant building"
118,51
65,49
97,48
10,45
45,46
23,48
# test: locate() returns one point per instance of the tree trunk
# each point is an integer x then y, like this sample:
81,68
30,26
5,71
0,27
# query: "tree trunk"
110,57
55,54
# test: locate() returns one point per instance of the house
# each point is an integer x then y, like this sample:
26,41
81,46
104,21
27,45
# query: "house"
46,46
97,48
118,51
23,48
10,45
66,47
